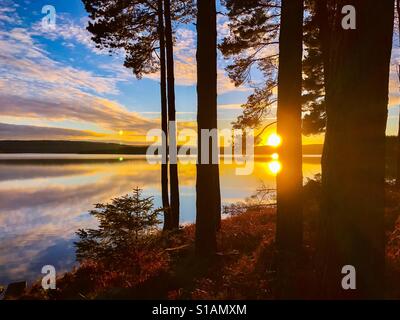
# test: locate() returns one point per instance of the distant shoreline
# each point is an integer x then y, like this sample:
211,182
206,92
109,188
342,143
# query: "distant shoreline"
102,148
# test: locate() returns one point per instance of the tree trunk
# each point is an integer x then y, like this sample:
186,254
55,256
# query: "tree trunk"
173,169
323,19
208,202
289,181
289,227
398,134
353,164
398,152
164,118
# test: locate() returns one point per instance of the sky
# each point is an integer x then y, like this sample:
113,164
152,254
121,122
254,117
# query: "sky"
55,84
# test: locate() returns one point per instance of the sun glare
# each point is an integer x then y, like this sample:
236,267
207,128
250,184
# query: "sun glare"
274,140
121,132
274,167
275,156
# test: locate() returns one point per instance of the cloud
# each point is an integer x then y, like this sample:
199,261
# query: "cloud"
70,31
394,84
34,86
185,59
26,63
185,64
21,132
81,107
8,13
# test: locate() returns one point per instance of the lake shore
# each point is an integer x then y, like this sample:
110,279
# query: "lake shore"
244,268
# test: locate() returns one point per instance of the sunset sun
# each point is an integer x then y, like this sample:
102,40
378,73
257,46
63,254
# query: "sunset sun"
274,140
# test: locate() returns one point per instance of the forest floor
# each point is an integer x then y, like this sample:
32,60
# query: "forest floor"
244,268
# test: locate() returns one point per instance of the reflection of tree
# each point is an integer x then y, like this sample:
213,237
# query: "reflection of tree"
263,198
125,225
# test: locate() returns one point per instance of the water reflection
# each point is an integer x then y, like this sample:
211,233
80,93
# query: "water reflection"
274,167
44,201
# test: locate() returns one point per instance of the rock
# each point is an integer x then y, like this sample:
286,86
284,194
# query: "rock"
15,290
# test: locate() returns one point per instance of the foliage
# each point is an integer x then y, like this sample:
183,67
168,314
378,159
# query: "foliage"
132,26
252,42
314,120
253,29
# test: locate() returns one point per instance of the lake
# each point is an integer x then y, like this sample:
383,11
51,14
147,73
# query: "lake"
44,200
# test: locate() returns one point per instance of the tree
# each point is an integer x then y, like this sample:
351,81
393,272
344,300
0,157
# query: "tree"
208,201
254,27
173,171
353,164
289,181
164,116
314,120
137,27
253,30
398,143
398,73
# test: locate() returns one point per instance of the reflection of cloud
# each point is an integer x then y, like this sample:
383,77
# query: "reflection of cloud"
61,255
36,221
234,106
32,171
27,266
39,221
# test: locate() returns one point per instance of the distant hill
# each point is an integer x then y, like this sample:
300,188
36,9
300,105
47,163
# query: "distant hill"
80,147
85,147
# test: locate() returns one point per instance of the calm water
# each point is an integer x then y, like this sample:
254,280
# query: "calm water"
44,199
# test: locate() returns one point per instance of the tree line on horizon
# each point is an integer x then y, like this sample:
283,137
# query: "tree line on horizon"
321,70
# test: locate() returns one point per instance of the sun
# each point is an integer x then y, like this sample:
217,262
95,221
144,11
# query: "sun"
274,140
121,132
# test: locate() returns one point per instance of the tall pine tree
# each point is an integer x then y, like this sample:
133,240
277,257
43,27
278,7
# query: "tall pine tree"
208,201
143,30
289,181
353,165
